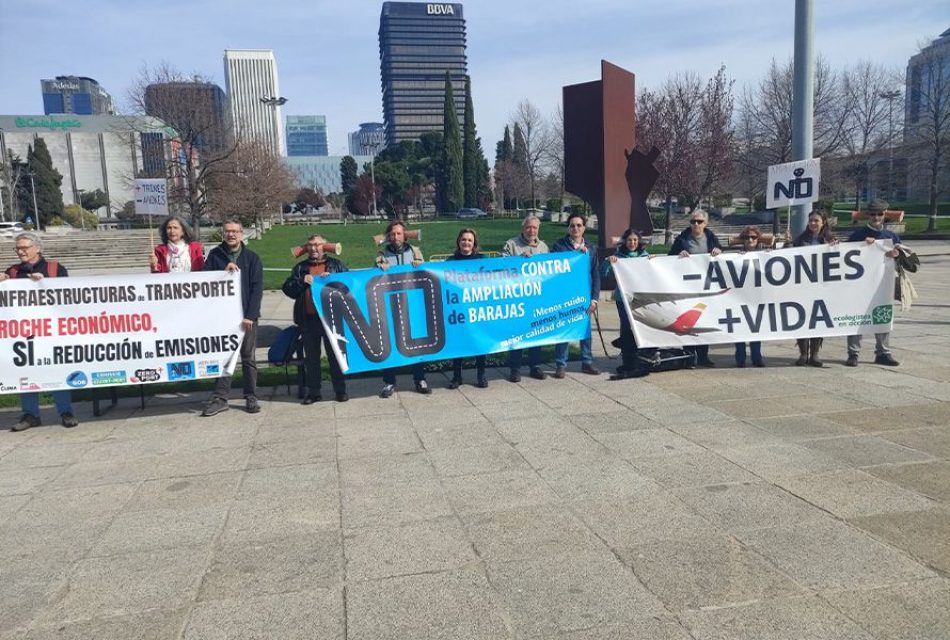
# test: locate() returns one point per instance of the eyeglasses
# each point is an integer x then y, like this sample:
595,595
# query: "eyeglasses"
876,214
26,248
697,221
747,238
576,226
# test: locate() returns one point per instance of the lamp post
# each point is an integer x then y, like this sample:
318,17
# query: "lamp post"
36,211
82,209
371,140
890,96
273,102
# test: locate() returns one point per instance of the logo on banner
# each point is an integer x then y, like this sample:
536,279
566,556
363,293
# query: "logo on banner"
372,336
209,369
147,375
666,312
26,385
77,380
181,371
108,377
882,314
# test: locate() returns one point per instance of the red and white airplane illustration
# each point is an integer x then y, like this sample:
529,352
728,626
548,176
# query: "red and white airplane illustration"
670,311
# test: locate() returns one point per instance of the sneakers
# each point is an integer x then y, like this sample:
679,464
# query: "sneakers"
251,405
214,407
388,391
537,374
758,363
342,397
852,360
886,359
26,422
815,362
423,387
559,373
455,383
312,398
514,376
706,363
590,369
68,419
481,383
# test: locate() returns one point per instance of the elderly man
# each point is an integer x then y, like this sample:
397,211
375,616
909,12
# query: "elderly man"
317,265
233,256
32,265
575,241
526,245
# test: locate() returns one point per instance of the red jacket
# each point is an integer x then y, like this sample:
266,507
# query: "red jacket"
195,250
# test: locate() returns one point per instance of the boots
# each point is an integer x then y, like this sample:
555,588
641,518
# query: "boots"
815,348
803,351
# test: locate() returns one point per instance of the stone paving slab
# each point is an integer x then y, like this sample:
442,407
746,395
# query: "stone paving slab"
776,503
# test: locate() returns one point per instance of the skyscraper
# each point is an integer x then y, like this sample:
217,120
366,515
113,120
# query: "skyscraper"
369,139
75,94
306,136
201,107
250,75
418,43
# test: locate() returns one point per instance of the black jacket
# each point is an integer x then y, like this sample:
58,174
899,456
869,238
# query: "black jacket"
252,276
23,270
294,286
712,242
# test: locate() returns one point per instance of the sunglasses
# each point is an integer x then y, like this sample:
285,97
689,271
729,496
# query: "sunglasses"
697,221
576,226
876,214
751,238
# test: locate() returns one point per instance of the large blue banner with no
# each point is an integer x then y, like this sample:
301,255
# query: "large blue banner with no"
379,319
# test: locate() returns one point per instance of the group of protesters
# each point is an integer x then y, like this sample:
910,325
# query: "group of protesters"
180,251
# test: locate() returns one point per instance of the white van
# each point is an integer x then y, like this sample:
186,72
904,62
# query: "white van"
10,229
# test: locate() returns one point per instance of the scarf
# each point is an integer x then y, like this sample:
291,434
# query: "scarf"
179,259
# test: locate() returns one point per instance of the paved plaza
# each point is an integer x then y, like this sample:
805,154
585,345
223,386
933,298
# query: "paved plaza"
783,503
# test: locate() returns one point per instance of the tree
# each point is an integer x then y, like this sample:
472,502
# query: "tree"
93,200
519,181
79,217
349,174
46,183
473,157
535,146
451,184
504,168
252,184
307,197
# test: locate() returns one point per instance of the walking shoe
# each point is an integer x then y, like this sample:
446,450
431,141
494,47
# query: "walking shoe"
537,374
815,362
590,369
758,363
251,405
312,398
26,421
741,365
481,383
706,363
342,397
802,360
68,419
514,376
852,360
886,359
423,387
214,407
559,373
388,391
455,383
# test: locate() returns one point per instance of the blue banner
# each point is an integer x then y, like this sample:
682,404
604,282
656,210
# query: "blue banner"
379,319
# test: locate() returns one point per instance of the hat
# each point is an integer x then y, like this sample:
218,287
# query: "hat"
877,205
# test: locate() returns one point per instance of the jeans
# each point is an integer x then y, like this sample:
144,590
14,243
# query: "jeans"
30,402
754,347
222,388
882,344
560,352
534,358
312,333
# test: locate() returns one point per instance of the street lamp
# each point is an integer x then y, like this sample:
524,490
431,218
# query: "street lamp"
82,209
890,96
273,102
36,211
372,141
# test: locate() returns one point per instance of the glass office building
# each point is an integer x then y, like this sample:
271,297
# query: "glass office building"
75,94
418,43
306,136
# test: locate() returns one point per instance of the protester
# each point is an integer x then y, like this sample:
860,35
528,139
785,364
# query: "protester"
33,265
630,246
317,265
817,232
466,248
695,240
526,244
750,242
575,241
395,252
873,231
179,251
233,256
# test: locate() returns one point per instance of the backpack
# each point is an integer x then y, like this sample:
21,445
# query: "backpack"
285,346
52,268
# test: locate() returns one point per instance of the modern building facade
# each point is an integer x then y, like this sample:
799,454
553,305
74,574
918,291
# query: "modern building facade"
306,136
250,75
91,152
321,172
368,140
201,107
418,43
75,94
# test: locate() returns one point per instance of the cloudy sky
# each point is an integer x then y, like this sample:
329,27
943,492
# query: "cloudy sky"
328,54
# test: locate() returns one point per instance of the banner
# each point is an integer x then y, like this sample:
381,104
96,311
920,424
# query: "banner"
101,331
804,292
792,183
151,197
379,319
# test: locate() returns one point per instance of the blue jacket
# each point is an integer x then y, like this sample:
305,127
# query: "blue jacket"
866,232
712,242
565,244
252,276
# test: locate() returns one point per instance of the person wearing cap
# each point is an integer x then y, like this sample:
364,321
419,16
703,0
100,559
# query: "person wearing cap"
871,233
297,286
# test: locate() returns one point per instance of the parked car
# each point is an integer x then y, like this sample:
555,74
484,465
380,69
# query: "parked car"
10,229
470,214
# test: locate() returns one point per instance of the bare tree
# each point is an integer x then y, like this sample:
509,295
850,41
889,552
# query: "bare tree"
716,137
555,159
251,183
537,141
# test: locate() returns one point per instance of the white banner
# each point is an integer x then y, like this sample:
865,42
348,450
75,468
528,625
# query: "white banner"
99,331
805,292
793,183
151,197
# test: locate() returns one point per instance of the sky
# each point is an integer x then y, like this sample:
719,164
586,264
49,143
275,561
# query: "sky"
328,51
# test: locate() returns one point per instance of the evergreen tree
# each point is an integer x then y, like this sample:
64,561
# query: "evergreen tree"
519,182
483,178
472,158
452,189
46,181
503,150
349,176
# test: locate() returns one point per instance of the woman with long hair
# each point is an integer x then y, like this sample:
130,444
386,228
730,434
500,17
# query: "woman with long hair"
179,251
630,246
816,232
466,248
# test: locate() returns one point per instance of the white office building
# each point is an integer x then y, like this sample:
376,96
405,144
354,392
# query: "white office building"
249,76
